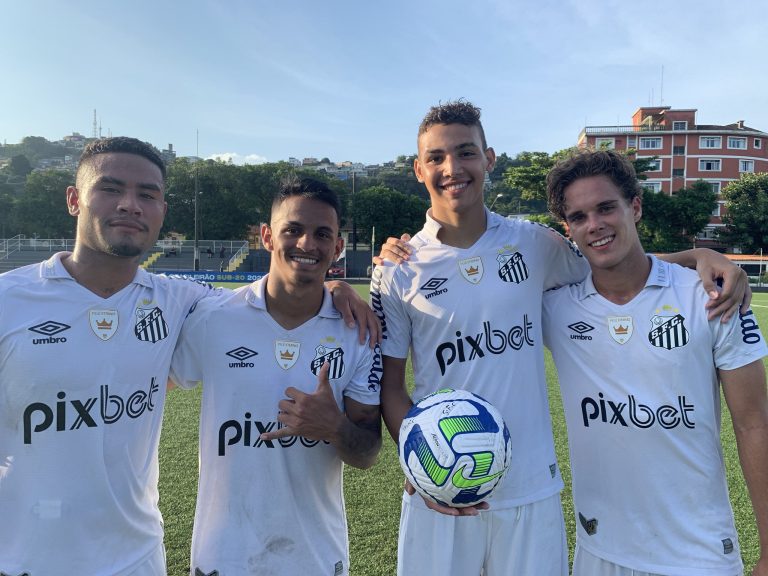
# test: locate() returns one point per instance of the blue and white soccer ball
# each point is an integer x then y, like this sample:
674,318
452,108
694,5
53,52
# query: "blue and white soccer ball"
454,448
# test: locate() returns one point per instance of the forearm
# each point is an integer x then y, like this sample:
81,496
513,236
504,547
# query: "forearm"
687,258
358,444
753,454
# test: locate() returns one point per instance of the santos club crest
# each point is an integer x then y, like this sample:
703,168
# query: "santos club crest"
150,325
334,356
668,332
512,267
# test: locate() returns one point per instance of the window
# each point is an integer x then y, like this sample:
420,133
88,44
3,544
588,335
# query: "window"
715,187
651,186
758,143
737,143
678,150
680,125
632,142
710,142
709,165
716,211
605,143
650,143
678,172
746,165
654,165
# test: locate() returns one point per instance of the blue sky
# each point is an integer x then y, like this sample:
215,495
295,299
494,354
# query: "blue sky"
351,80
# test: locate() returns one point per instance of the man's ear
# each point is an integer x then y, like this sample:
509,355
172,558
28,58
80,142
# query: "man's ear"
266,237
73,201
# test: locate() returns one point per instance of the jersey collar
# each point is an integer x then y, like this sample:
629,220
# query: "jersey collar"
54,269
659,276
256,298
432,226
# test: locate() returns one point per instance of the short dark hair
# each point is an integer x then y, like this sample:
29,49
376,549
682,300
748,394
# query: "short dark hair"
122,144
453,112
585,163
306,187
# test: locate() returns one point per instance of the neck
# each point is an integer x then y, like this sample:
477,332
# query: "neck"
291,305
621,283
101,273
461,230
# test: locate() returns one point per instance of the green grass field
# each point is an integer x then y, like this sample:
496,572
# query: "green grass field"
373,496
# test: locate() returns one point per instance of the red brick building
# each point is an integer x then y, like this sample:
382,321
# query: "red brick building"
685,151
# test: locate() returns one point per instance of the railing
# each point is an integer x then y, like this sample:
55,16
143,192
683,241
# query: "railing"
597,130
21,243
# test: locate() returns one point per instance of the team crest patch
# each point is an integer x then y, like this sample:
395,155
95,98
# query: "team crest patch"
472,269
286,353
620,328
150,325
668,329
512,267
103,323
325,352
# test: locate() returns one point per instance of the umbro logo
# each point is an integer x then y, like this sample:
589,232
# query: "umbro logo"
49,329
581,328
241,354
199,572
22,574
433,286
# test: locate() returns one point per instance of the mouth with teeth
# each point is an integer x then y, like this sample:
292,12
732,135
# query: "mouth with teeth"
308,260
603,241
453,187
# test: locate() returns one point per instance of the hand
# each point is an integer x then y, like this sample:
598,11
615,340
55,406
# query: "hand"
736,294
314,416
395,250
355,312
447,510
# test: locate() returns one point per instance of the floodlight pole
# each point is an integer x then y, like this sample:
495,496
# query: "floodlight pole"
197,161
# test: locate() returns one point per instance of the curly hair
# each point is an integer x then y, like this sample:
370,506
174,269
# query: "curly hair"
585,163
453,112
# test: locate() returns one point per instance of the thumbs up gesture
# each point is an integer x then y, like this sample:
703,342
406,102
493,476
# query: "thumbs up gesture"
315,416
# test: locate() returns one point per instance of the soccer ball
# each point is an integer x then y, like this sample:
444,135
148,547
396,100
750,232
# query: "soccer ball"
454,448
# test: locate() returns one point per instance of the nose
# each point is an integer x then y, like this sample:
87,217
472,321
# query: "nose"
594,222
305,242
452,165
129,202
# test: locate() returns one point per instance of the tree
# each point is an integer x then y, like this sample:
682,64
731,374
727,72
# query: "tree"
670,223
391,212
20,165
746,217
42,209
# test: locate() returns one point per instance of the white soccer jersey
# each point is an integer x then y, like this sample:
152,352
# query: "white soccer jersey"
642,403
268,507
472,319
82,389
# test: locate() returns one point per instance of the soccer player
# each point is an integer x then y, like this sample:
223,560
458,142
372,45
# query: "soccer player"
641,369
467,305
289,395
86,340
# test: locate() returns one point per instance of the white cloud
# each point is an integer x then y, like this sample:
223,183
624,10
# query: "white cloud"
238,159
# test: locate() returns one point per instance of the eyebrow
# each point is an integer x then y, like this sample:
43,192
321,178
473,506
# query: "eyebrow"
118,182
463,146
